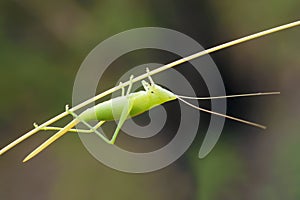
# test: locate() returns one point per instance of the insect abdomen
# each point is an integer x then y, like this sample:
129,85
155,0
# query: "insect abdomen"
102,111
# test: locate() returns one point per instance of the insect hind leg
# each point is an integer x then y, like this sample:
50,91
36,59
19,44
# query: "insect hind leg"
53,128
126,110
91,128
125,113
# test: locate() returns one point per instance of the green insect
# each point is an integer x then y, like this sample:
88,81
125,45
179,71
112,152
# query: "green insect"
132,104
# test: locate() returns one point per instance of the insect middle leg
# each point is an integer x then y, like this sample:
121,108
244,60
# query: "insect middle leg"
130,85
123,90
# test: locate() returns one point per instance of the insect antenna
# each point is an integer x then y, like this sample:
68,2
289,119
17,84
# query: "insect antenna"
223,115
230,96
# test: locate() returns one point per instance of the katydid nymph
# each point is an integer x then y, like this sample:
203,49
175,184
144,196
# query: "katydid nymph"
132,104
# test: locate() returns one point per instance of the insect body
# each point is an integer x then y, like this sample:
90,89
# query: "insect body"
132,104
120,108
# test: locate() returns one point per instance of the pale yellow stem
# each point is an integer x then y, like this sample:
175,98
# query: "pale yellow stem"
52,139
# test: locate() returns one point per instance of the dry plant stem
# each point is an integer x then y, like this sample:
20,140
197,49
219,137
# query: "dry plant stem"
155,71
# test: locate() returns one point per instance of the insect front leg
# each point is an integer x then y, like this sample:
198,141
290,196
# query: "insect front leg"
130,85
149,77
145,85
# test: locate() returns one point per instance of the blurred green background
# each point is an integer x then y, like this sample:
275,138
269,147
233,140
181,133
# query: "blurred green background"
42,44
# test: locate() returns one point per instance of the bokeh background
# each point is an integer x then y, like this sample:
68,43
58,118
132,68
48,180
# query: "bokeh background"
42,44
